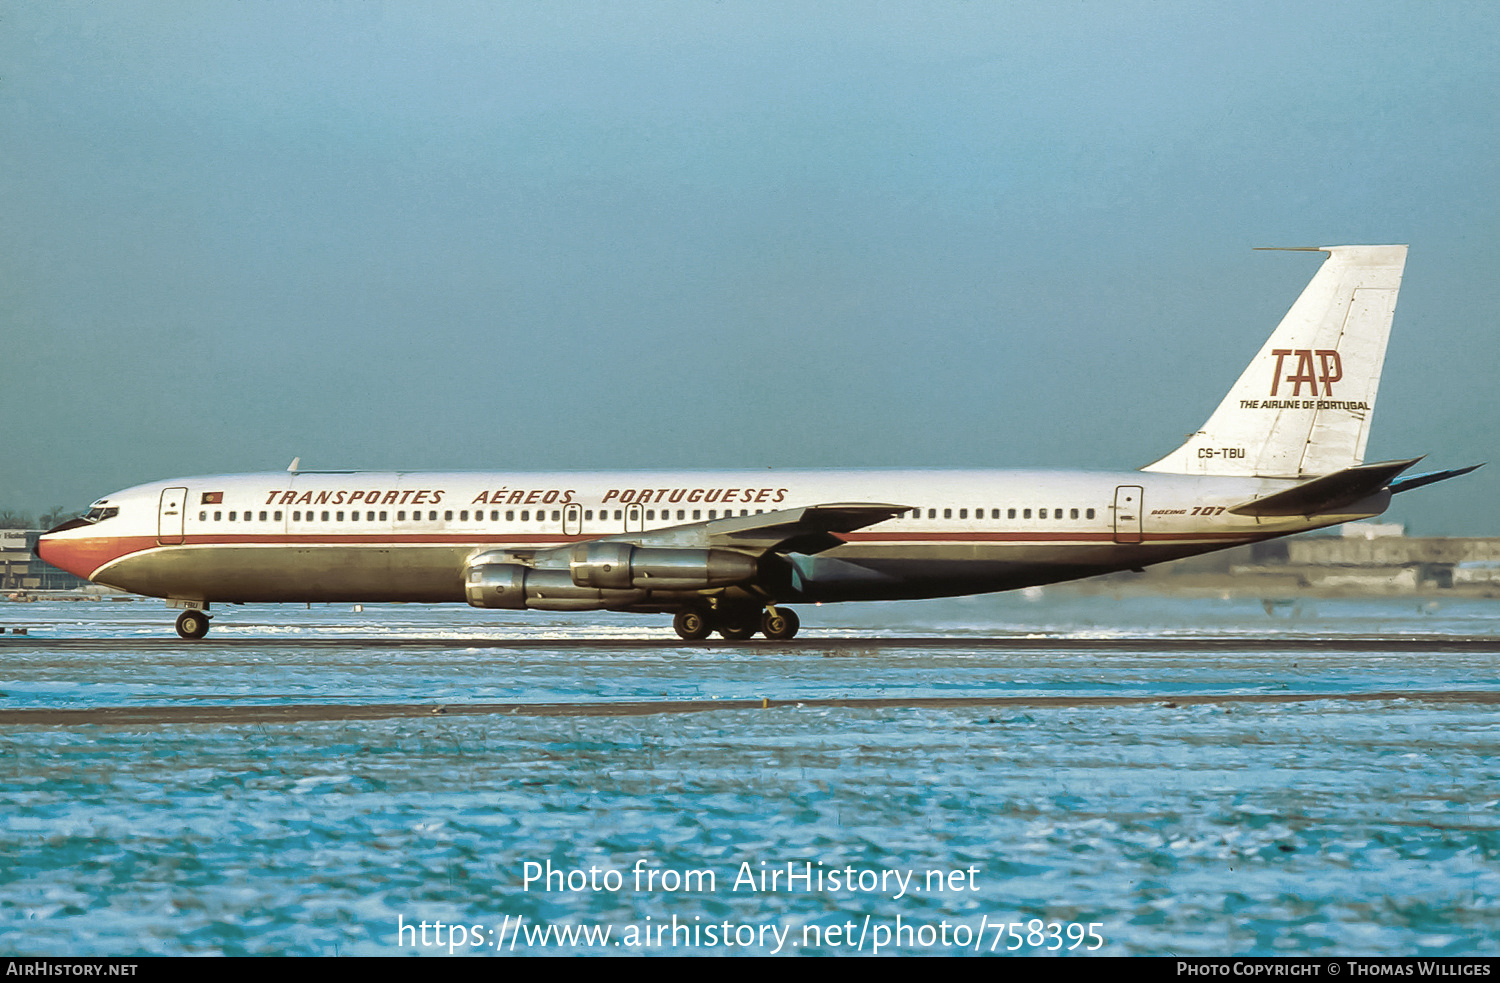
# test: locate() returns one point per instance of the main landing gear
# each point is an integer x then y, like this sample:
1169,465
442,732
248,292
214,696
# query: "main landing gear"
737,624
192,624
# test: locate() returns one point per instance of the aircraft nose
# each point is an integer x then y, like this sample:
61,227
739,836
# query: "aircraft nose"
63,552
43,545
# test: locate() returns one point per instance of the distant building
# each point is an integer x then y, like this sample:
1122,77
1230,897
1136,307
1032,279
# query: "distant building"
1391,563
1371,530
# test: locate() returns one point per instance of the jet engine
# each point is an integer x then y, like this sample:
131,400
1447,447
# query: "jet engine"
620,566
601,575
513,586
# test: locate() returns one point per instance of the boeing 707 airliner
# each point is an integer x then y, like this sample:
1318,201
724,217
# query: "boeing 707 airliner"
728,552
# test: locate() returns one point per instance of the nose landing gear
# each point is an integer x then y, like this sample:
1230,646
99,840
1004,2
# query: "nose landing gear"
192,624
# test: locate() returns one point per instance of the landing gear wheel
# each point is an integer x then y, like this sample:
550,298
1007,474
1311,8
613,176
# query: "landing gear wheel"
692,626
780,624
738,625
192,624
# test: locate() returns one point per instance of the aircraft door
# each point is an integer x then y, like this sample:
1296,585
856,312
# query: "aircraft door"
635,519
170,515
572,520
1128,509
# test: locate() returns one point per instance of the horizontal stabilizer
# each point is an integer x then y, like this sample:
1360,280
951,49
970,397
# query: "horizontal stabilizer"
1431,478
1328,493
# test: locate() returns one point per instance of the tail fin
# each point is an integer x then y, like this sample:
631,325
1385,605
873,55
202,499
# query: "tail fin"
1303,405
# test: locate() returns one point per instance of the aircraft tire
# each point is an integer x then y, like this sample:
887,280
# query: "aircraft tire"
738,625
192,624
692,626
780,626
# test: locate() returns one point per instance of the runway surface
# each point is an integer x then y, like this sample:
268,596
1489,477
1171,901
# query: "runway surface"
1190,776
1204,643
232,714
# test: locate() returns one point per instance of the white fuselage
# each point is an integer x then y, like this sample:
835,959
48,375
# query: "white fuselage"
409,536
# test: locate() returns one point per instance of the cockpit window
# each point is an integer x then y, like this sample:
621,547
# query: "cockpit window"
99,514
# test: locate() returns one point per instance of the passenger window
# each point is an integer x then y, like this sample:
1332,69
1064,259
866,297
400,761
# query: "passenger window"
994,513
1041,513
276,517
463,516
682,513
232,515
1026,514
1011,513
697,514
494,515
202,516
932,513
1073,514
1089,513
556,515
526,515
325,516
713,513
510,515
339,517
650,515
382,516
619,515
448,516
963,513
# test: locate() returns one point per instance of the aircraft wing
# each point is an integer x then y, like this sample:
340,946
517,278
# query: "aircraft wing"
810,529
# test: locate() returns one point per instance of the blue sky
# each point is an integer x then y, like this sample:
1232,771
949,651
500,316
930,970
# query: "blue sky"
600,235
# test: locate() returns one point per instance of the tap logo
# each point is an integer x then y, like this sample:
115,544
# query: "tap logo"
1314,366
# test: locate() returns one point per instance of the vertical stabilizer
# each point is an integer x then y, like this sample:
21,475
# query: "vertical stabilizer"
1303,405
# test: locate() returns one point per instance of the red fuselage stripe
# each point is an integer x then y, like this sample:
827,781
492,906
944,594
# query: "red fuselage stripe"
87,556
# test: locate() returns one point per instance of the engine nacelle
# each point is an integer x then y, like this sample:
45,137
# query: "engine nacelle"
621,566
515,587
